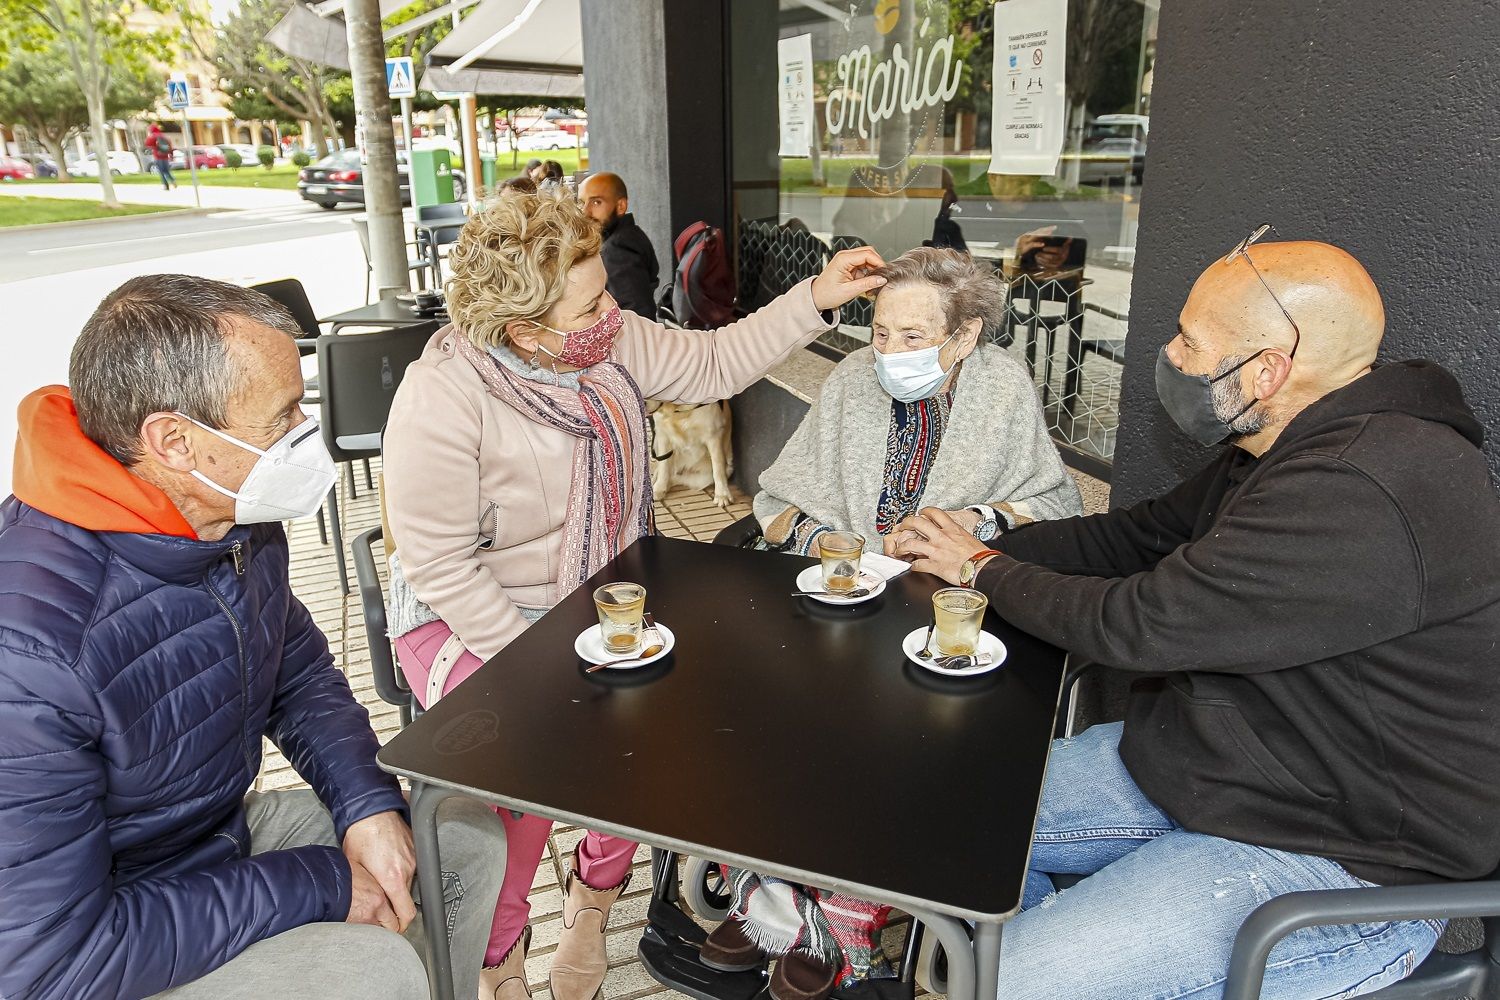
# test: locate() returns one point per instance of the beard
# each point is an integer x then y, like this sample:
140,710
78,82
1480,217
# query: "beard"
1234,406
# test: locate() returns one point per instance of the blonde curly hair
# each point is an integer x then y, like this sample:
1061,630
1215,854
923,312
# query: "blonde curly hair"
511,263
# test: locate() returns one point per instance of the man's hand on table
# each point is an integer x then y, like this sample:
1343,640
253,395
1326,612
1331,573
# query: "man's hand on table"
934,541
846,278
383,860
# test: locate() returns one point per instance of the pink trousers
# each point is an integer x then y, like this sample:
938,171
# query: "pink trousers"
603,862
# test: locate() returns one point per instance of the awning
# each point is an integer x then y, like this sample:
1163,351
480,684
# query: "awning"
532,47
302,34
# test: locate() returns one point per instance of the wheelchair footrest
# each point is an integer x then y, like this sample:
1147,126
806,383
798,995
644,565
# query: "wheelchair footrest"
669,953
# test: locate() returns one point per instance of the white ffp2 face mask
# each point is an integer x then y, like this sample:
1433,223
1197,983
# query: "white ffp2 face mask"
289,480
912,375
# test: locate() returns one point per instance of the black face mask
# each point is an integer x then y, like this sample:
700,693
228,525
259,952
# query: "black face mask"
1189,400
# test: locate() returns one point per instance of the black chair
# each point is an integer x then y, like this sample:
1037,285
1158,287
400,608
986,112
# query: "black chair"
389,684
360,373
289,293
1441,976
419,264
438,226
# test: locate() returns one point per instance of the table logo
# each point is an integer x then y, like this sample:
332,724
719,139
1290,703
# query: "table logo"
473,728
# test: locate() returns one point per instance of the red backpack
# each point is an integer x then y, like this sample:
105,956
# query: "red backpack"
703,288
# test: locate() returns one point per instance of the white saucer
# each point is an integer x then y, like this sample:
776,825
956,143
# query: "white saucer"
812,579
912,645
590,646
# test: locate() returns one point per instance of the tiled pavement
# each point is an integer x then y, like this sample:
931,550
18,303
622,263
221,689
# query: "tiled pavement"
683,514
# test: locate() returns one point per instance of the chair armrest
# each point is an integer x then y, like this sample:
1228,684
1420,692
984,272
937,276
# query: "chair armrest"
388,684
1275,919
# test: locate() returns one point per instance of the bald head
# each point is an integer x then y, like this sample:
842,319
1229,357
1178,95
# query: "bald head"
1234,311
604,198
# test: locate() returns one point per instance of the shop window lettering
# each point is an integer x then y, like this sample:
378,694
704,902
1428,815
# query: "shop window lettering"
868,93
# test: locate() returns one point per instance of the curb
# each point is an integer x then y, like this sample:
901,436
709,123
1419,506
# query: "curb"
137,217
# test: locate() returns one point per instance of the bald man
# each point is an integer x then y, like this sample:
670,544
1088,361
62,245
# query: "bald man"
1313,623
629,260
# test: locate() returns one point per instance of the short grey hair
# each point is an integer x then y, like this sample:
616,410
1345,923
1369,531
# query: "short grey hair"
157,343
969,289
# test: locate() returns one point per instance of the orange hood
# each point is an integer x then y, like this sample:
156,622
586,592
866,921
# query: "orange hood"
61,472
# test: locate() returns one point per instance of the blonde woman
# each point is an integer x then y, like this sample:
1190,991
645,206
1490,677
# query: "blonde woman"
516,465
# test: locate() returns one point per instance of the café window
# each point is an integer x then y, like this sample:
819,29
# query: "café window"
875,122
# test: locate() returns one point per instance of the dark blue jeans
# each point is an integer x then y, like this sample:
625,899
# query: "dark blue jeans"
1157,915
164,167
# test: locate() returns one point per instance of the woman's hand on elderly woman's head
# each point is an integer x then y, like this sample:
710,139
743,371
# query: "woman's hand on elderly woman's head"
846,278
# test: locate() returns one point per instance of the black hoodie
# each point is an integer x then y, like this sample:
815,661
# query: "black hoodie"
1320,630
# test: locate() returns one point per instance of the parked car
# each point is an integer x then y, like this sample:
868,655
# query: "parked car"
42,165
249,154
1114,148
13,168
204,158
546,138
338,178
119,162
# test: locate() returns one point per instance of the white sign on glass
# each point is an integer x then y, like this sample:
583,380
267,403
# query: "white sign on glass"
1031,105
795,87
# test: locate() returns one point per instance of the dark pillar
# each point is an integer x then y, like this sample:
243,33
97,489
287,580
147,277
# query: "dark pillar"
1365,123
655,89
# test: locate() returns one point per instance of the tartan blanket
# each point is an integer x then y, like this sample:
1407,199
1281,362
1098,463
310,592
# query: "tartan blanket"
783,916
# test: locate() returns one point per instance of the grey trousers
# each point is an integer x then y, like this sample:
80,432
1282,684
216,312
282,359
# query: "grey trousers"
356,961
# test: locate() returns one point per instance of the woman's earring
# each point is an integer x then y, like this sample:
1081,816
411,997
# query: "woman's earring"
535,360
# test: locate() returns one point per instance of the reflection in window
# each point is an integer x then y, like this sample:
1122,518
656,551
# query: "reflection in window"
898,153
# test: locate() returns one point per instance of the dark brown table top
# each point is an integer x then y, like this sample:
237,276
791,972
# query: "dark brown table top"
783,735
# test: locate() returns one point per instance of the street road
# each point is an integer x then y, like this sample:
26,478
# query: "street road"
52,279
35,252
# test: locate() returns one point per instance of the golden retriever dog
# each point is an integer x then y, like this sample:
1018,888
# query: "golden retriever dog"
691,448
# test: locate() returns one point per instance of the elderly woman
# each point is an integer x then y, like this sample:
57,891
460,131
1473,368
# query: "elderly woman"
516,465
927,416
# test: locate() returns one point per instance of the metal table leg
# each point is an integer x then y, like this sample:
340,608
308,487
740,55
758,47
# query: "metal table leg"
987,960
954,938
424,806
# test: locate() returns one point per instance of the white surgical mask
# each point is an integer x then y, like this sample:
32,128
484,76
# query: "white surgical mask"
289,480
912,375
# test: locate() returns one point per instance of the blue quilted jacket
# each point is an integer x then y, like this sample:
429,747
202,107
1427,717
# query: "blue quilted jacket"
137,676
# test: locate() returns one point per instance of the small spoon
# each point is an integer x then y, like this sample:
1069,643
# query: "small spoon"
925,653
854,594
649,632
961,662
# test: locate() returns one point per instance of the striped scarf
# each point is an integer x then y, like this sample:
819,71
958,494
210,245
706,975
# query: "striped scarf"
912,444
609,497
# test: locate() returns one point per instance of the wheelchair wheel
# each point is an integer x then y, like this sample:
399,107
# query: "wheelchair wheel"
704,889
932,966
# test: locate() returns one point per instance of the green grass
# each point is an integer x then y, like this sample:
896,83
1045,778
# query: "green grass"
35,211
970,178
283,177
280,177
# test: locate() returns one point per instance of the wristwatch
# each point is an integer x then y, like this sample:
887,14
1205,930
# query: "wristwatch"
989,522
970,567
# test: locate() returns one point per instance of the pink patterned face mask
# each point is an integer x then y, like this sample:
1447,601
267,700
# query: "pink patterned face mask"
587,347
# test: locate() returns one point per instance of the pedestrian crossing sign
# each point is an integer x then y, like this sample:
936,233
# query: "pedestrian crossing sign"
177,94
400,81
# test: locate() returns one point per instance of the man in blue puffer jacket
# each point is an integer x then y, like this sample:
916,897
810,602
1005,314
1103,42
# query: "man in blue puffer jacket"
149,639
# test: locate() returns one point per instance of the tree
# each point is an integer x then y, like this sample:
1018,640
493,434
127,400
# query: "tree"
256,72
102,39
37,90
